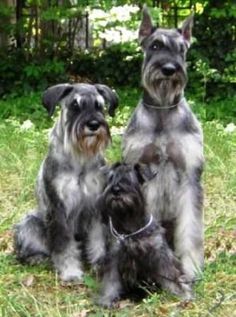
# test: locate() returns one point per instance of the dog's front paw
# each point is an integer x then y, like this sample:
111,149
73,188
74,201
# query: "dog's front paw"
186,287
36,259
71,275
107,302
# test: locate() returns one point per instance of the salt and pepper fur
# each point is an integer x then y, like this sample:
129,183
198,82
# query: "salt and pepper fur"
65,221
165,134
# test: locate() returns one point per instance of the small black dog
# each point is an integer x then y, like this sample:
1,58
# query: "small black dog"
138,254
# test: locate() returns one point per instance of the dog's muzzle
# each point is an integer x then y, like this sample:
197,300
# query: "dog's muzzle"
93,137
168,69
93,125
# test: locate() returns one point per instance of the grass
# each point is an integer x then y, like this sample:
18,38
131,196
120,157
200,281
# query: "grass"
36,291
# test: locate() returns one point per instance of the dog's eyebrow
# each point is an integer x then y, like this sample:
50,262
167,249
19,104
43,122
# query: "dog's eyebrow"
165,39
100,100
78,98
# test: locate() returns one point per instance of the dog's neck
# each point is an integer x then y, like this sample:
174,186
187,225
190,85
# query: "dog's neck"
151,103
131,221
141,231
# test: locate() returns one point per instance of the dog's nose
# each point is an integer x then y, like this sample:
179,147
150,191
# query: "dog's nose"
116,189
93,125
168,69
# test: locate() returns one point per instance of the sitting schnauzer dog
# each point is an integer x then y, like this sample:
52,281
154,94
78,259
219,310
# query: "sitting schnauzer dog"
69,181
138,254
164,125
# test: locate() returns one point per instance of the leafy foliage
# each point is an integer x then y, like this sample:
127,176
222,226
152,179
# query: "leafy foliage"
48,45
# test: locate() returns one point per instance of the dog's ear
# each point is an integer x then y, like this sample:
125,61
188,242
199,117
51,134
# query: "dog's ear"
55,94
110,97
143,172
146,27
186,29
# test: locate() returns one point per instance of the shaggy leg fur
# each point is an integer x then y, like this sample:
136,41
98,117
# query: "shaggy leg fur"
111,286
30,239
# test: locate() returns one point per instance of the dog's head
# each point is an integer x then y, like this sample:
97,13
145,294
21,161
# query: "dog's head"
123,195
82,120
164,68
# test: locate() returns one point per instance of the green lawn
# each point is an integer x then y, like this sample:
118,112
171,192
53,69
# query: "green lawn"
36,291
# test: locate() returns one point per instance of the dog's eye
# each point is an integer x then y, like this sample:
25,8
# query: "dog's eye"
156,46
98,106
75,106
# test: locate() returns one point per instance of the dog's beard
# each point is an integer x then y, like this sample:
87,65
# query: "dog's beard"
89,143
163,89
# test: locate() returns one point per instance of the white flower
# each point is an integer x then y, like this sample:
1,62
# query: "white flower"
117,131
98,14
231,127
123,13
27,125
118,35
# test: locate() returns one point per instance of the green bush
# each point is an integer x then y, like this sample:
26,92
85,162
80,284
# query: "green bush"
21,76
212,57
117,65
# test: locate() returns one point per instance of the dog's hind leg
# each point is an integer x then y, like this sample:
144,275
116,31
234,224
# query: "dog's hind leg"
169,274
30,243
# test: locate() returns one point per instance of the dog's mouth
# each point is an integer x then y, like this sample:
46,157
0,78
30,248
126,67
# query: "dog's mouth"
117,198
121,200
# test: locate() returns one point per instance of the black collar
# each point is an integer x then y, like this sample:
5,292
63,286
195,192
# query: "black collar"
149,102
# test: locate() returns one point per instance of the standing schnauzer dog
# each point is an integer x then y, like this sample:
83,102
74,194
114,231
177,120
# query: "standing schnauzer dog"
69,181
138,254
164,125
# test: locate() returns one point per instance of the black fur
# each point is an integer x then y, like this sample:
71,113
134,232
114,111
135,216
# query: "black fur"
137,260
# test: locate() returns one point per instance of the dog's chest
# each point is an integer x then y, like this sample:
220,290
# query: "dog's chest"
173,154
171,142
135,263
74,188
90,183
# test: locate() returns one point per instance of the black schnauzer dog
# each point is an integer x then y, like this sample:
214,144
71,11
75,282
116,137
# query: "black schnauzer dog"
138,254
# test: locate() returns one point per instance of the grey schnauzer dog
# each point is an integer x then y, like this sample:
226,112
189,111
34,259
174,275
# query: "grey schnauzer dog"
137,253
164,125
69,181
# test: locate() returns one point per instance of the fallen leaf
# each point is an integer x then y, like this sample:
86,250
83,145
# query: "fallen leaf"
124,303
82,313
28,281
